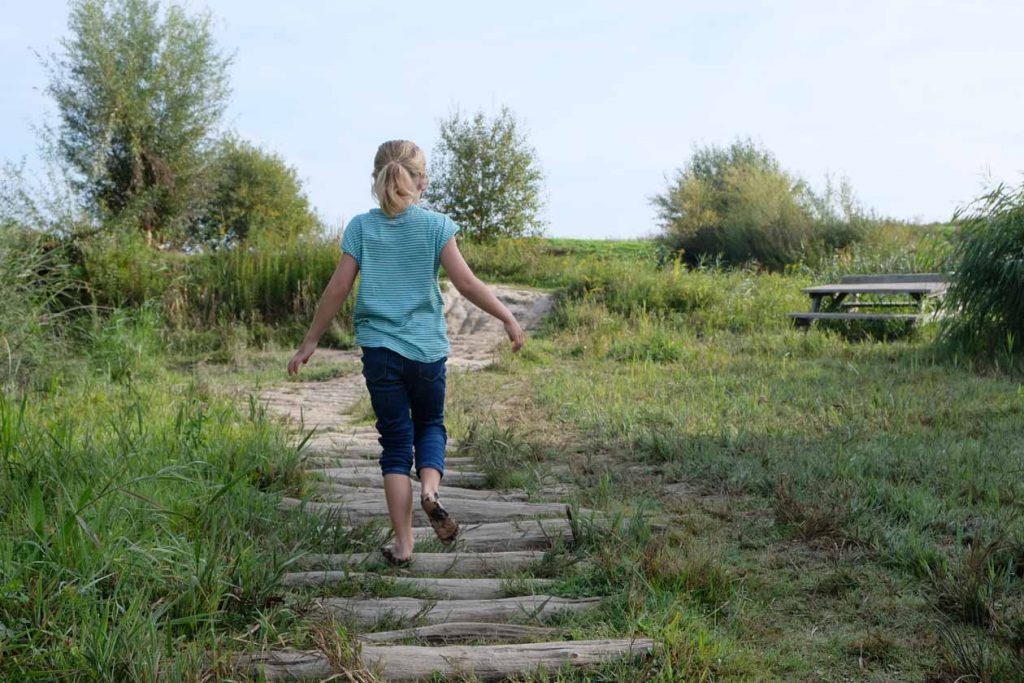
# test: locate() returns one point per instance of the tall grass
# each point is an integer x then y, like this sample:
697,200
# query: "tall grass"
135,534
984,300
263,291
34,280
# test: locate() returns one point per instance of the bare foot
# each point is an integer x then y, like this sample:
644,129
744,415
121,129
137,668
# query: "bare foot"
443,523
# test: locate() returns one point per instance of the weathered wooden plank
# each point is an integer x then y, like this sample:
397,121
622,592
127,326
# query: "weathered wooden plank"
361,511
370,476
344,492
324,461
494,662
896,317
419,663
329,443
466,632
458,563
436,587
921,288
366,613
494,536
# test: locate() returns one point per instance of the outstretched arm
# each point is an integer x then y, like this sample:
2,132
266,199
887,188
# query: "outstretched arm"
335,293
478,293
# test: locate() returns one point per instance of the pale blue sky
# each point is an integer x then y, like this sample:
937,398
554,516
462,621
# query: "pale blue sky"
916,102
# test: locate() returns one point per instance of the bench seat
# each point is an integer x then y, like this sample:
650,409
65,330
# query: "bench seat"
810,316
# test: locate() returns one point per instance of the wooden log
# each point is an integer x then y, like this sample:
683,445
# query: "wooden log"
343,492
496,536
529,534
371,476
284,665
361,511
435,587
322,461
465,564
344,445
466,632
418,663
494,662
366,613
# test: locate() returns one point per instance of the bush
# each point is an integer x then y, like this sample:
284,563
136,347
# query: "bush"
737,204
255,194
984,302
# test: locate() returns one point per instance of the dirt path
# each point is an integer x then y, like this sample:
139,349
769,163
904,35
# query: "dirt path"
465,621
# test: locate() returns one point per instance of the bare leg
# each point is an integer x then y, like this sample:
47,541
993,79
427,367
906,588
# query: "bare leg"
443,523
398,491
430,480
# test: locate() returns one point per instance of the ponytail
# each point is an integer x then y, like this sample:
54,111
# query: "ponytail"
395,168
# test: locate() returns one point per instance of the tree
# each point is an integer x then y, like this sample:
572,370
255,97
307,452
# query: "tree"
255,193
738,204
139,91
485,175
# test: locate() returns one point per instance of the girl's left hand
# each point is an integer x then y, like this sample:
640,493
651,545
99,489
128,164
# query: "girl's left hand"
301,357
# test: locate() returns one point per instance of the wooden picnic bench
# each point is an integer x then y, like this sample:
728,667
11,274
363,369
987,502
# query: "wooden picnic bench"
846,296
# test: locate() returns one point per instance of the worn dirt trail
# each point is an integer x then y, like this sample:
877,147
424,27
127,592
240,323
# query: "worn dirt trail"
466,623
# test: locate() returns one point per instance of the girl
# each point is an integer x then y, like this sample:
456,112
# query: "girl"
399,321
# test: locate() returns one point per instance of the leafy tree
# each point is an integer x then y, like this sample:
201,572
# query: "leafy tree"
255,193
485,175
139,91
738,203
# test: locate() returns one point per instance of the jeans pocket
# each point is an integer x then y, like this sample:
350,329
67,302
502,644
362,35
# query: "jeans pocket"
431,372
375,364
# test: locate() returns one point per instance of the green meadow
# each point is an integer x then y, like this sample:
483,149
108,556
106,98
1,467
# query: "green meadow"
830,504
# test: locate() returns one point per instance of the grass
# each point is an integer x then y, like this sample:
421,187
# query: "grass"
783,505
142,533
839,504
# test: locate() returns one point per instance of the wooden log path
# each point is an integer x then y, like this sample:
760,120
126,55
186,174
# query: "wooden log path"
467,620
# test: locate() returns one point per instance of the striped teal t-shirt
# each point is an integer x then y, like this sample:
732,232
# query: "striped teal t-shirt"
399,304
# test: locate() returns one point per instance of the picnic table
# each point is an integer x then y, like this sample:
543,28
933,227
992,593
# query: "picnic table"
842,298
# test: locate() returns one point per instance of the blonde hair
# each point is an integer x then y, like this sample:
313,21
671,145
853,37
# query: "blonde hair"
396,167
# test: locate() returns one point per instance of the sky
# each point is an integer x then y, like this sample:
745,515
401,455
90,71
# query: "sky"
919,104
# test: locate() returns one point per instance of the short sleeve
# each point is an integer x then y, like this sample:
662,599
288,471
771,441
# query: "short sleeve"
352,239
447,231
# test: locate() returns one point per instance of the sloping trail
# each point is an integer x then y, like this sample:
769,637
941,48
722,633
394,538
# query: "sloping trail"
463,601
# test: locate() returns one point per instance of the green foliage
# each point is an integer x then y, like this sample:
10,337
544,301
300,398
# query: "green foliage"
255,194
139,91
137,530
254,292
737,203
35,281
262,286
127,345
986,311
891,247
485,175
121,270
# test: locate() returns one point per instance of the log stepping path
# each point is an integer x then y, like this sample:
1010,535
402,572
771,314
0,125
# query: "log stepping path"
466,622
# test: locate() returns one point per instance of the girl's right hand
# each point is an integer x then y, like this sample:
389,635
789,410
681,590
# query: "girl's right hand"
301,357
515,334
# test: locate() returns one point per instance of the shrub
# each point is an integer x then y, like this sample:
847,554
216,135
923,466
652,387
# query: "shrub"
986,310
738,204
255,194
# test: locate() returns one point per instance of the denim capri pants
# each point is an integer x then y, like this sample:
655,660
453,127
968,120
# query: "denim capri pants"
408,400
